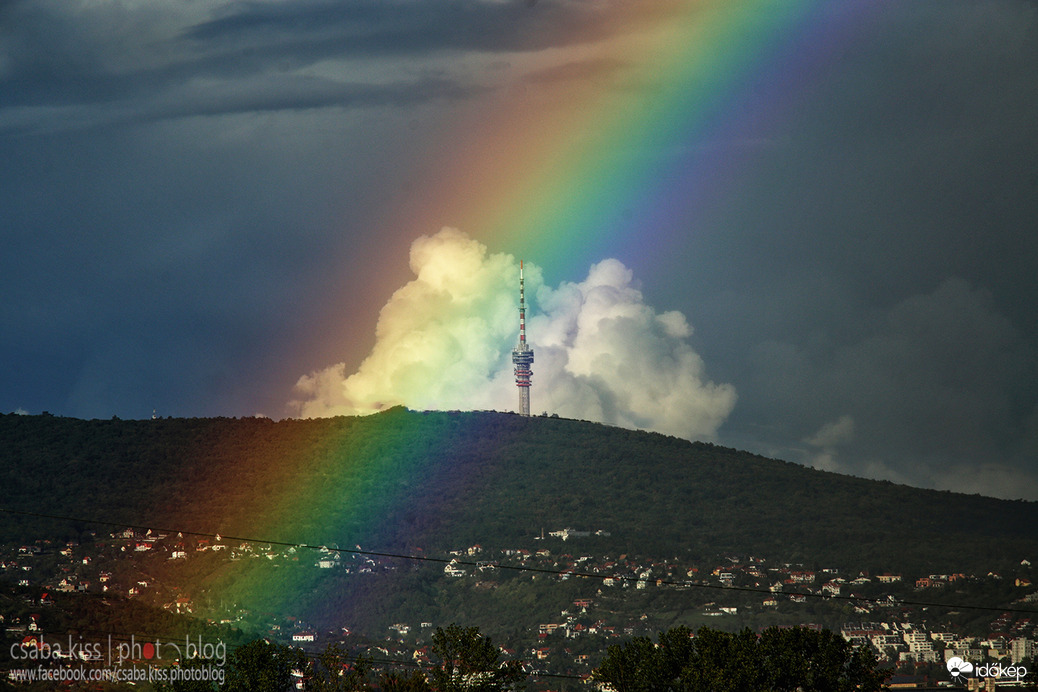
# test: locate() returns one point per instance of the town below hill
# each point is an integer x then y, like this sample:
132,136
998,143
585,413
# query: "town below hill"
552,606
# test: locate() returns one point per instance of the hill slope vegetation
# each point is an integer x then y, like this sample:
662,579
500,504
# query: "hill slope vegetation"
403,480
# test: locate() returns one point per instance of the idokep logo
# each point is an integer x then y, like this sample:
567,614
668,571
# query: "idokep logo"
961,670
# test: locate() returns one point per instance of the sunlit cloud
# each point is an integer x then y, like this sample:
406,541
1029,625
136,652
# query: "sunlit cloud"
443,341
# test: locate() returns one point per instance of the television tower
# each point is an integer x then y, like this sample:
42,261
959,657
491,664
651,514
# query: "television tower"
522,354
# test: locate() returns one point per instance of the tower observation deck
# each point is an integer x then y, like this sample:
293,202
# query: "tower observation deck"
522,354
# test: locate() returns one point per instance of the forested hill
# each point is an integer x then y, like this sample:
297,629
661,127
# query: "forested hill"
404,480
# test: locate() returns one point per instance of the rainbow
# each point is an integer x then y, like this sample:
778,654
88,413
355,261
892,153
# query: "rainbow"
680,99
620,163
279,494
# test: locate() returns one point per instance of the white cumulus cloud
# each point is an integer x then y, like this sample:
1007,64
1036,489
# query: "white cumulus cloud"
444,340
828,438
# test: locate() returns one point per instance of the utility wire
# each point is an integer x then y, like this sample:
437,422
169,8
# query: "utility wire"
538,570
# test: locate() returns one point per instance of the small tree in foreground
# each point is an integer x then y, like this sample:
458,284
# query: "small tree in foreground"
469,661
779,659
262,665
336,670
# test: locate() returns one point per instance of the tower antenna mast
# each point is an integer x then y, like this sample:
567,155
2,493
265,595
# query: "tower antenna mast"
522,354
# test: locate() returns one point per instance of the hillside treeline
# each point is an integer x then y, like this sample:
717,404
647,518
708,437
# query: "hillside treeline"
404,480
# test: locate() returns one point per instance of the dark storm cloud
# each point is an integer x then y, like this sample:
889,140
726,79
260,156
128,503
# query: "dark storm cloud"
266,95
387,28
115,57
939,380
406,27
130,64
579,70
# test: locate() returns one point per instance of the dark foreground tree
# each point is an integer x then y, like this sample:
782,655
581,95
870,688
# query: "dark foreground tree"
336,670
779,659
261,665
192,675
800,658
404,682
469,661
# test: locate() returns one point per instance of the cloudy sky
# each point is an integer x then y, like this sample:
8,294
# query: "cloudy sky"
802,229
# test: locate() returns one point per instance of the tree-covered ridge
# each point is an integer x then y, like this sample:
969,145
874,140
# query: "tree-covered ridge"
777,659
403,480
464,660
